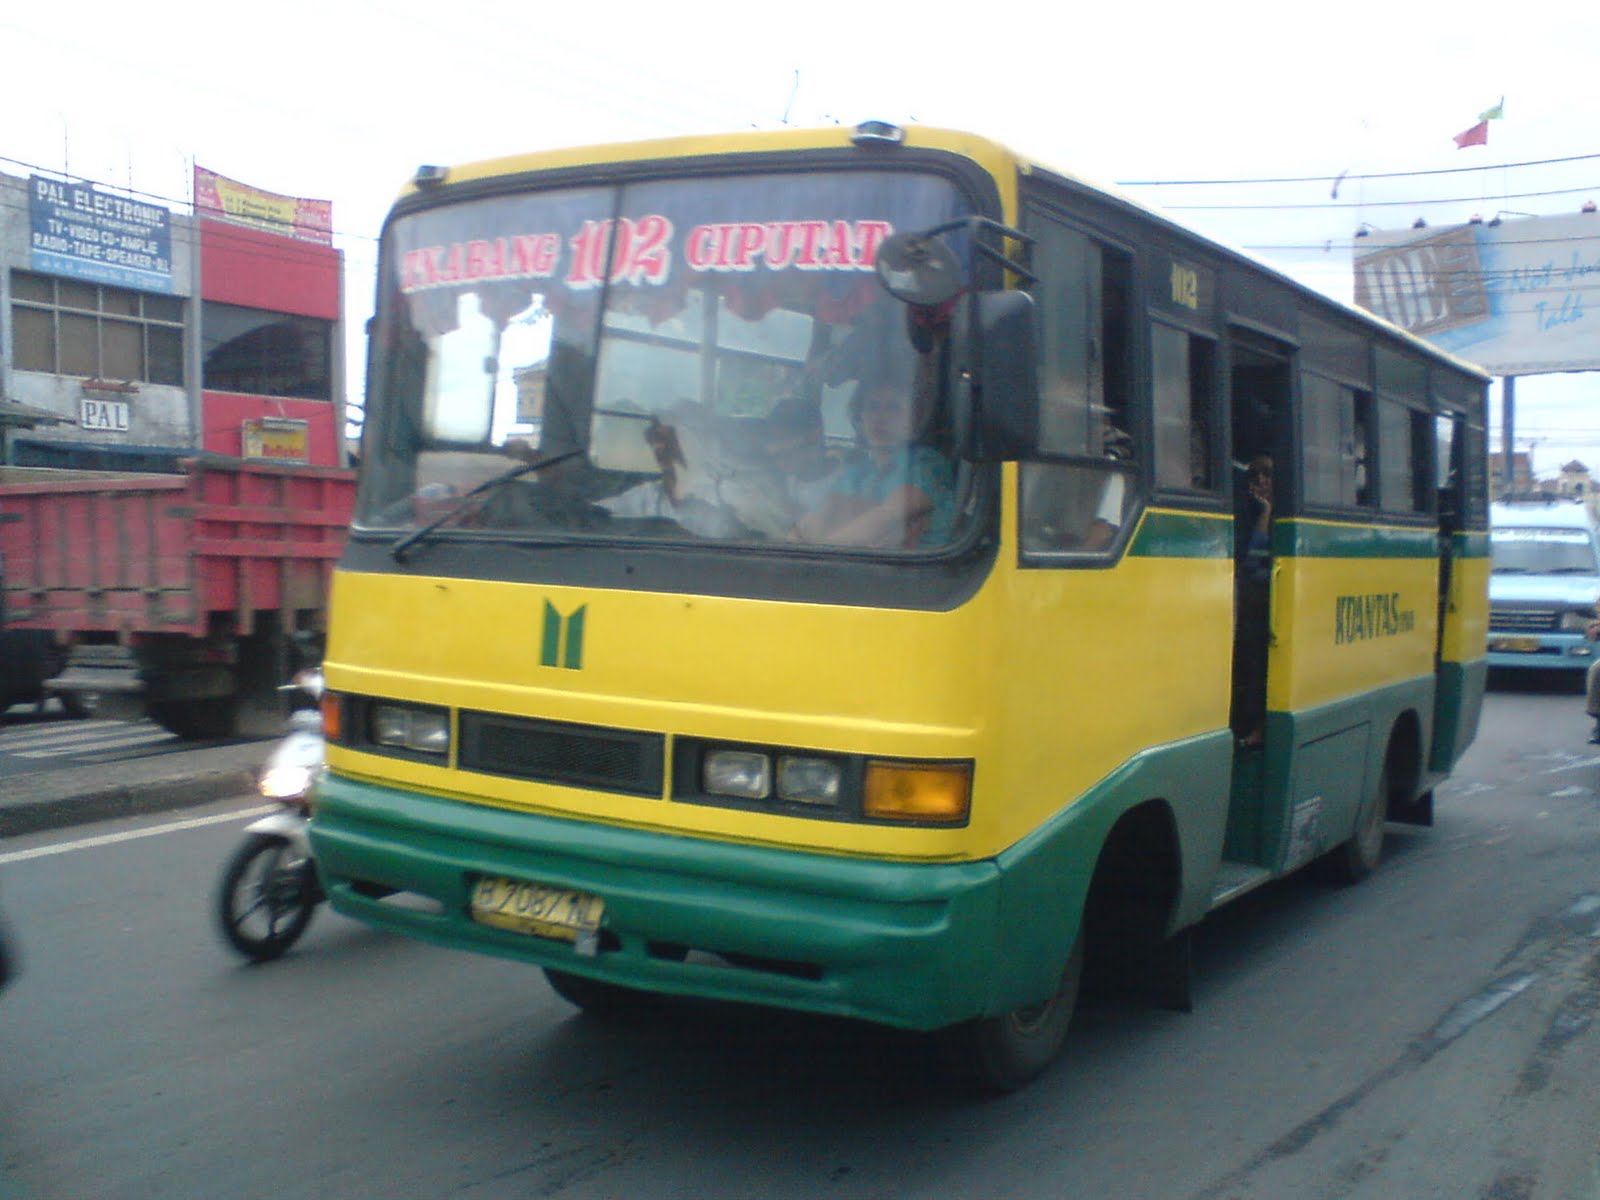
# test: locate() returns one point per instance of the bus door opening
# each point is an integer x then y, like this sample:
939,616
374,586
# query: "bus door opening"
1260,383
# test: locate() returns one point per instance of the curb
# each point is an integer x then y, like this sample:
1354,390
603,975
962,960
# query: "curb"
59,799
123,801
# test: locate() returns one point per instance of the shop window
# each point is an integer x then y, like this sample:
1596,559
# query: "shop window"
266,353
68,327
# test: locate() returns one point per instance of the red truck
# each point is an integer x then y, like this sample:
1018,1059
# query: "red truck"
189,596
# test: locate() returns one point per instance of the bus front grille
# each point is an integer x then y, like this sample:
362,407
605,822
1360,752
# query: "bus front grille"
590,756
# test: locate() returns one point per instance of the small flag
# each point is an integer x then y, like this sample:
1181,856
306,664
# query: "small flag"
1478,135
1495,113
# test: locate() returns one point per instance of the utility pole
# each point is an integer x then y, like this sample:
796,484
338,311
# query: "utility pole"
1508,421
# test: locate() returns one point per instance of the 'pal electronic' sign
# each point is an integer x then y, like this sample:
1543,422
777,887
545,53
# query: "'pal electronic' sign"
83,233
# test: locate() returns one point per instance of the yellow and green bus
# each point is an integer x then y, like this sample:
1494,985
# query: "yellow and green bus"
824,570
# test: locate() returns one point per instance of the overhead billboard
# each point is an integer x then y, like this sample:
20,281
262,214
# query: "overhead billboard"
1517,297
293,216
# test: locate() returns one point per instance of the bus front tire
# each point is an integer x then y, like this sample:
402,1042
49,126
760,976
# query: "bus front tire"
1001,1054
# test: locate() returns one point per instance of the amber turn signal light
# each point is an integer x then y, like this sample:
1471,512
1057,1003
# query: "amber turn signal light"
910,791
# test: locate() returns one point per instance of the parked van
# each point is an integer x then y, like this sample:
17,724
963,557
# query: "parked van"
1543,586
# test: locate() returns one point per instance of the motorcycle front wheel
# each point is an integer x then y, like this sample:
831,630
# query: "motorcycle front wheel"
267,897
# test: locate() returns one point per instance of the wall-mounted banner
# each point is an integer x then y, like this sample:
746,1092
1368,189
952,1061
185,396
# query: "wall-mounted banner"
83,233
292,216
1518,298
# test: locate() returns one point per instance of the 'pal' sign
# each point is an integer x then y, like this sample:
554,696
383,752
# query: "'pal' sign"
106,416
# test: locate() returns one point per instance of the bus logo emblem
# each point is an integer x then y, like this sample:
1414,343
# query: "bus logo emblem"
563,638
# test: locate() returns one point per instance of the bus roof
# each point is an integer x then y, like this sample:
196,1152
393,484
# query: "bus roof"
1001,162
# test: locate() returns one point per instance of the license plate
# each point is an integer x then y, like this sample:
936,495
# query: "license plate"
1515,645
536,908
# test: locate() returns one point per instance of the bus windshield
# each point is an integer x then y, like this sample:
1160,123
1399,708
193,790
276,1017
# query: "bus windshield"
707,358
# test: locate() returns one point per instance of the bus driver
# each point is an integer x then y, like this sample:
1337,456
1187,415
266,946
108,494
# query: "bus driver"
901,493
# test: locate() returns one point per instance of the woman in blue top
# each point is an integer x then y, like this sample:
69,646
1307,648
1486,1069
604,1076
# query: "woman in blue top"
899,494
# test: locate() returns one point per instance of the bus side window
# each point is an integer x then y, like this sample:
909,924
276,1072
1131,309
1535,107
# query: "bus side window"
1073,508
1078,501
1183,384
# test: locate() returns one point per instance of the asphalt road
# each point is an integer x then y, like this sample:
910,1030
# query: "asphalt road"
31,741
1430,1032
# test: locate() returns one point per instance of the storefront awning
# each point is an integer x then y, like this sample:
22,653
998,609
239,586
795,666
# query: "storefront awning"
16,415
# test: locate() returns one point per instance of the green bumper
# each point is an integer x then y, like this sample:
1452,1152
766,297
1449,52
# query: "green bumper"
909,945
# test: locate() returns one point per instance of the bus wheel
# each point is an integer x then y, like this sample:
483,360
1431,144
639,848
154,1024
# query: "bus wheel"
1358,857
595,997
1000,1054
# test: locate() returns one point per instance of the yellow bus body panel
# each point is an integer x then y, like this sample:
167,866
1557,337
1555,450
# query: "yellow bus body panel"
1046,680
1342,627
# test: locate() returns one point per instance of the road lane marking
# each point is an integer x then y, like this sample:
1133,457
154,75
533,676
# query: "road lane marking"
89,746
111,839
40,733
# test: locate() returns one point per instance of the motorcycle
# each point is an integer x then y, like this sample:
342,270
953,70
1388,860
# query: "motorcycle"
269,889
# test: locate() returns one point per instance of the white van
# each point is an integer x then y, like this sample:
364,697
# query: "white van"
1545,578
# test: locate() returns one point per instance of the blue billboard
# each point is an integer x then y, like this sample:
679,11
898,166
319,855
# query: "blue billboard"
83,233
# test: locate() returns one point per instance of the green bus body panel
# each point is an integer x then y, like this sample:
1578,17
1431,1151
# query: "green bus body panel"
1461,687
1299,538
913,945
1166,534
1294,801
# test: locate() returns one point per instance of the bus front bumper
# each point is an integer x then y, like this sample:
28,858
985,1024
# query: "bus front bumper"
907,945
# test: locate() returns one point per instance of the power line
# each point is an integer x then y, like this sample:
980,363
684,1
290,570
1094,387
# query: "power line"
1363,204
1544,162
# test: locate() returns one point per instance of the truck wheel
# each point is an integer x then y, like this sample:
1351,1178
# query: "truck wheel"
1000,1054
196,720
79,704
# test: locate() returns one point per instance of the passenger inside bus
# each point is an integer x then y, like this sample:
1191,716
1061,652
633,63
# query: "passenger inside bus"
1254,574
716,479
675,494
1110,512
798,449
901,493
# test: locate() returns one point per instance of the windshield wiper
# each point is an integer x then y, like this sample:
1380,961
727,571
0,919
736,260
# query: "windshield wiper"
403,545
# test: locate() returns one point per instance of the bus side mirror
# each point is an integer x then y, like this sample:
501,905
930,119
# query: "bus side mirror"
1002,384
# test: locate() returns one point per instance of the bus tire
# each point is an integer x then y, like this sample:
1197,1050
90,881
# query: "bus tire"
1001,1054
595,997
1358,857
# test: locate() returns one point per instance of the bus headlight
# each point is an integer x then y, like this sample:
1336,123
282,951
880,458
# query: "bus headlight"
803,779
911,791
741,773
424,730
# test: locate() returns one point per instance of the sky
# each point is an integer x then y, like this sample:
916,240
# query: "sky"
342,99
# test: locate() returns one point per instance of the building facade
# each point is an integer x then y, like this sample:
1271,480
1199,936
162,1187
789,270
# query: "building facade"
132,336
